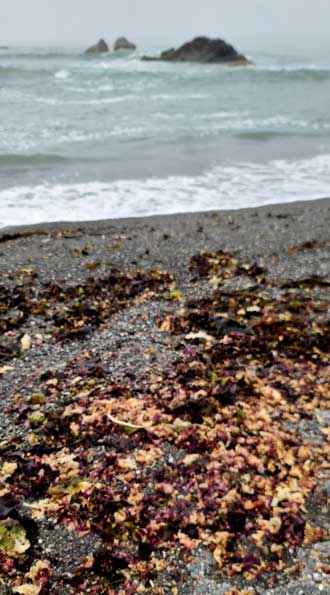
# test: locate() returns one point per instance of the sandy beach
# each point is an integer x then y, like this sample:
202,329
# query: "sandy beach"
98,321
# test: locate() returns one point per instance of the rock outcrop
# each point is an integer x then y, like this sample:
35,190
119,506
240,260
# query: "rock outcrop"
99,48
123,43
204,50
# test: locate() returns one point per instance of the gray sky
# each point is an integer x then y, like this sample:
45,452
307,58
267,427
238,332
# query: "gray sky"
159,22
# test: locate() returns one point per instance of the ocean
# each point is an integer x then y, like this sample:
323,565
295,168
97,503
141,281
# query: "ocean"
85,137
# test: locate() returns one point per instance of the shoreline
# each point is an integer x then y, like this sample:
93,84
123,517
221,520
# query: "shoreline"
12,229
119,338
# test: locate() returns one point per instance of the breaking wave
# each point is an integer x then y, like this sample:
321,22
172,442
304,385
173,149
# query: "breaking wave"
229,187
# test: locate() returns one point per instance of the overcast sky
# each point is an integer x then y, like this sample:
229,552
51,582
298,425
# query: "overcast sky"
159,21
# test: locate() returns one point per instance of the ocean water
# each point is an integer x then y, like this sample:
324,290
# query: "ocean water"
111,136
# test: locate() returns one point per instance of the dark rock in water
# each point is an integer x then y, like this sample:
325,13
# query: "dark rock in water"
100,47
4,47
150,59
122,43
204,50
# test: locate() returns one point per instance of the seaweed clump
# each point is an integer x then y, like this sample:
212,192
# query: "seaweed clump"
207,452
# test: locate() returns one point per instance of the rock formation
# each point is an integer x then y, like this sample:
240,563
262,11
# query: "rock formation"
123,43
100,47
204,50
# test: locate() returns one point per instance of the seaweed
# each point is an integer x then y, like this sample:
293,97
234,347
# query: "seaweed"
205,452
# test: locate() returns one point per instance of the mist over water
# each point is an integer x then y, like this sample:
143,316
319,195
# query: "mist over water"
110,136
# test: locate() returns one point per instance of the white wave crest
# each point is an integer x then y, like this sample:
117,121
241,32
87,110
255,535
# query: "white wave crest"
228,187
63,75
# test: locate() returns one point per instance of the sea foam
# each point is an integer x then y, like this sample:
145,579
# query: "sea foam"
228,187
